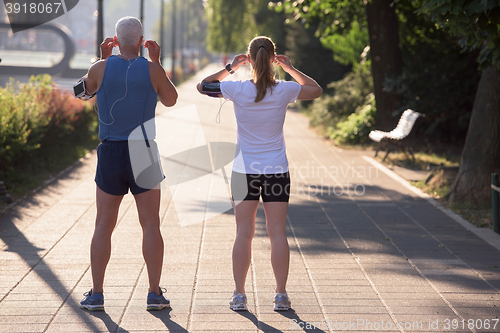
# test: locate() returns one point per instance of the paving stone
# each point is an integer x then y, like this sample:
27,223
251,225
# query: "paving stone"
20,327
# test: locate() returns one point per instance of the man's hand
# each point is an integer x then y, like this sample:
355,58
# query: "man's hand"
154,50
107,47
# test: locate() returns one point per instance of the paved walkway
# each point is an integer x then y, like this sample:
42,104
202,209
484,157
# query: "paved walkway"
367,253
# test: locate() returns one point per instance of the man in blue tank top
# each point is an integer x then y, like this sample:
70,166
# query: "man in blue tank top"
127,87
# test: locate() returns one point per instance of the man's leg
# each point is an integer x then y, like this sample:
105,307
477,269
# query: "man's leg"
245,213
100,249
148,206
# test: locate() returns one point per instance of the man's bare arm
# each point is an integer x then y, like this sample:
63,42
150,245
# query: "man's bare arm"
95,74
93,79
162,84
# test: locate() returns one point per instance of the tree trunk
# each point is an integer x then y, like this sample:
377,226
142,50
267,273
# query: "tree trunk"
481,154
386,58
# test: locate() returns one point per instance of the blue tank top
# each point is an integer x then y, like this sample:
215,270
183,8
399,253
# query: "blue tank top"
134,102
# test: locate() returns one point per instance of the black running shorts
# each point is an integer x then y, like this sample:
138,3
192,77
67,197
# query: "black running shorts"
272,187
114,174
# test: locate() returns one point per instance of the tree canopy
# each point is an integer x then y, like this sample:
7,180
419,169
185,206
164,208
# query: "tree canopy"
475,22
341,25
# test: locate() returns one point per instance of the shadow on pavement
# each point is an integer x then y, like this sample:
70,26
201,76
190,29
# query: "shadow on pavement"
297,323
19,244
111,326
258,324
164,316
412,228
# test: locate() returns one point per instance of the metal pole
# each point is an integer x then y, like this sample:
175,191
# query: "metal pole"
100,27
141,18
182,32
162,33
188,32
173,40
494,183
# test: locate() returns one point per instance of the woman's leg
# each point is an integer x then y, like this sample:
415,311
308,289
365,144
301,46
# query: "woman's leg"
245,213
280,252
100,248
148,207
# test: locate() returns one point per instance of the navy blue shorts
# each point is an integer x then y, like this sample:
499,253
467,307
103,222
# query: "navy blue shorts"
114,174
272,187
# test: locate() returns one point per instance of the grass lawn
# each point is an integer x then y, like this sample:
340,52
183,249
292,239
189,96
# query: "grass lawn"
443,169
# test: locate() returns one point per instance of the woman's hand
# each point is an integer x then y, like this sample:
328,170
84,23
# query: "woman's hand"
284,62
240,59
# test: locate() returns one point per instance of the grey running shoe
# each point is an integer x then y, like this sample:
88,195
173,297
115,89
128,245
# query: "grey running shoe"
239,302
282,302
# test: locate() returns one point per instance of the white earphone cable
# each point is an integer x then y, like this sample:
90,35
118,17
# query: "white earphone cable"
118,100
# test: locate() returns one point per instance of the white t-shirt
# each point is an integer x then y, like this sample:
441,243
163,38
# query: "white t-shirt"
260,125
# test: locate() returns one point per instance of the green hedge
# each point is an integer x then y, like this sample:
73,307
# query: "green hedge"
332,112
37,119
357,126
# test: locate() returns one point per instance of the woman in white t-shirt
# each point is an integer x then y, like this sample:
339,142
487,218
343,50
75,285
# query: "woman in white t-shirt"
261,166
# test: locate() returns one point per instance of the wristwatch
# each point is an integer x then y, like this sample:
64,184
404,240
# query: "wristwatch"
229,69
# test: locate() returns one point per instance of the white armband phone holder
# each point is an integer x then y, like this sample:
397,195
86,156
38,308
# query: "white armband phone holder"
80,91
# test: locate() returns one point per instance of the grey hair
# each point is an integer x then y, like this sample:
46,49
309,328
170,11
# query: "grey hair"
128,31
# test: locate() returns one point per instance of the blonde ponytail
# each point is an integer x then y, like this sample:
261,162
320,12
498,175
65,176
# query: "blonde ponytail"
261,50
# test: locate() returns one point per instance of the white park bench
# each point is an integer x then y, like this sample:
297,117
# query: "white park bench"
394,138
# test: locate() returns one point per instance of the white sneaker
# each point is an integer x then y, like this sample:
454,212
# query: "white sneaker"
282,302
239,302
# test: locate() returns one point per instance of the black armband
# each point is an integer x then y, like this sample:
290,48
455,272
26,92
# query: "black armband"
212,89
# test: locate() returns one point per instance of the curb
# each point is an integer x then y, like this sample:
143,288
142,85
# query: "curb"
488,235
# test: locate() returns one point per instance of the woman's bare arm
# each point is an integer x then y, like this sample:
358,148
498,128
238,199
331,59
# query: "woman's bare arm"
239,60
310,88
